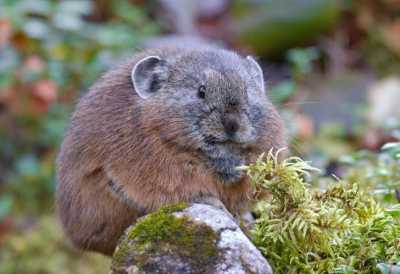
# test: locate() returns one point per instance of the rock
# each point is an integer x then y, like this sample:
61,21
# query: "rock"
383,99
195,238
184,41
184,14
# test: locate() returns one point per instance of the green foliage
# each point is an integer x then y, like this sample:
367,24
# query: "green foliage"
301,60
50,52
380,172
282,91
41,249
339,230
271,27
301,64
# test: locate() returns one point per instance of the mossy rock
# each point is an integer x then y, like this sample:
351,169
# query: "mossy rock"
164,243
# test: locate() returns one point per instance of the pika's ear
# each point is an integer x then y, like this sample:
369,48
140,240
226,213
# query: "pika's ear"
256,71
147,75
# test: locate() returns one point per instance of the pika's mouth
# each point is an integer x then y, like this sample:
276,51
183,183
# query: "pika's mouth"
226,140
211,140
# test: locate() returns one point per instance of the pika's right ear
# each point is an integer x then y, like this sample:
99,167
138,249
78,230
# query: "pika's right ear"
147,75
256,72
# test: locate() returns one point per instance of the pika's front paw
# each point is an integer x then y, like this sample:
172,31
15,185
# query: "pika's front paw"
232,176
226,169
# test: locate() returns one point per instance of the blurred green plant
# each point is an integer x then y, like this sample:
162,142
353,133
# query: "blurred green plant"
377,171
301,230
41,249
271,27
300,61
50,52
379,22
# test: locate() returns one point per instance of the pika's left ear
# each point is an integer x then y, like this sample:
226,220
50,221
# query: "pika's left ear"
256,71
148,74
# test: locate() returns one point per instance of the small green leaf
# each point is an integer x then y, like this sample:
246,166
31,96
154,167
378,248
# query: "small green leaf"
346,160
282,91
6,202
28,165
394,210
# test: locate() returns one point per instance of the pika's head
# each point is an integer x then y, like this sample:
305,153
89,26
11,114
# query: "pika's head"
205,97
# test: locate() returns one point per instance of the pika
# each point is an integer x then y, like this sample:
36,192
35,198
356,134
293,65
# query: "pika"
170,125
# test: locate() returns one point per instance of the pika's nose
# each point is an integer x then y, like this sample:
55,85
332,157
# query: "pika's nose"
231,126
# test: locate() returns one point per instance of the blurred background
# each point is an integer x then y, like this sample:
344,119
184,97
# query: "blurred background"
332,68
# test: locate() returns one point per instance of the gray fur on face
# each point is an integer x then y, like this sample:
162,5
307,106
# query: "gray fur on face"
226,122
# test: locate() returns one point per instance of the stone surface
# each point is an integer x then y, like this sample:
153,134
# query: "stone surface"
227,249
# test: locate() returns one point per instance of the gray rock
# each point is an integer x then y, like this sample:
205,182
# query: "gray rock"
239,254
204,239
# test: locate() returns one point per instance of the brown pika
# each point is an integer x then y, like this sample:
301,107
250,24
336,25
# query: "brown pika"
170,125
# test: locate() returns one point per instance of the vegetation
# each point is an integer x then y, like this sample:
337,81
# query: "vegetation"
378,172
51,51
42,249
342,229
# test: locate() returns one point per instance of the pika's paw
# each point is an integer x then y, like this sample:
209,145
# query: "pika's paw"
226,169
232,176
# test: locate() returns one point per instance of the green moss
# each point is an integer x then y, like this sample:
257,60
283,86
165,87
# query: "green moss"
157,225
162,234
301,230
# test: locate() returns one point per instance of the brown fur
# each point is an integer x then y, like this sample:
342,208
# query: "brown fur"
112,134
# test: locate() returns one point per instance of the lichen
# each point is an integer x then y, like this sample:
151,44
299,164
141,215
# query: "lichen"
163,235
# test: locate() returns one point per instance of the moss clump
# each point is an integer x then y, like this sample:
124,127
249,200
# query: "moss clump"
163,235
340,230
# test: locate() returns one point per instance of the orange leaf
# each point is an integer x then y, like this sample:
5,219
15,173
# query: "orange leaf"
5,32
45,90
34,63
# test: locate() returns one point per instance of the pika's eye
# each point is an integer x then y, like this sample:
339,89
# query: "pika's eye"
201,92
233,104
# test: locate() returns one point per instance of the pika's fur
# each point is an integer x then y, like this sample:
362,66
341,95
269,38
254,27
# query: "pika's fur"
170,125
